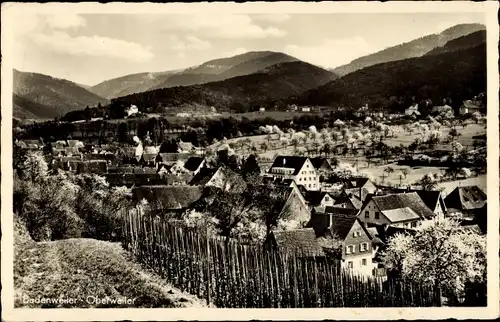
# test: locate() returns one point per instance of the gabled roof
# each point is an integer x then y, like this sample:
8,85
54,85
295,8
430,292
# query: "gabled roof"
313,197
298,240
430,198
185,146
466,198
400,214
202,177
318,162
355,182
352,197
292,162
75,143
341,225
193,163
403,200
470,104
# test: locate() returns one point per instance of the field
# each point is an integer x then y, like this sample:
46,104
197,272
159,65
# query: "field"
376,172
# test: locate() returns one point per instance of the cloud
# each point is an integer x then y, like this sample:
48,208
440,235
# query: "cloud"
272,18
224,26
62,43
188,43
65,21
332,52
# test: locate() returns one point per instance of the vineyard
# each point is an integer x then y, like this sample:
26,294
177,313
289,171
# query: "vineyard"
236,275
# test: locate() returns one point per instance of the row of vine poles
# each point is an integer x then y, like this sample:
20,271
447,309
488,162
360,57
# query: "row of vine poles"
236,275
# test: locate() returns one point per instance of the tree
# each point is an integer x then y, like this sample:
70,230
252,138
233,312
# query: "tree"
389,170
250,167
427,182
264,146
443,254
270,202
33,167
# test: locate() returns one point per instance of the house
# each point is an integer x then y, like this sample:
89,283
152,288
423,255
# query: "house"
70,151
433,200
168,196
194,164
262,109
406,210
412,110
323,216
469,107
61,144
321,164
360,187
163,169
131,110
149,155
302,241
317,198
300,169
442,109
185,147
467,200
75,144
349,199
305,109
357,244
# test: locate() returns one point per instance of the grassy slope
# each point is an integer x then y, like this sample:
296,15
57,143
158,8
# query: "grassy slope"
77,268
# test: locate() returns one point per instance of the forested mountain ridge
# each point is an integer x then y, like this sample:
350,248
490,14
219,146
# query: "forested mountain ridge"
458,74
210,71
411,49
41,96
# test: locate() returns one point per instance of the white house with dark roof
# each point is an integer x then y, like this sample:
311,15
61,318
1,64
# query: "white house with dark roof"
412,110
405,210
300,169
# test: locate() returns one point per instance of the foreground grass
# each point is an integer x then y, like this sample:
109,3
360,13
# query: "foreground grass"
88,271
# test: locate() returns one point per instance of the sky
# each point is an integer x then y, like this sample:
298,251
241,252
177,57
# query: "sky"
90,48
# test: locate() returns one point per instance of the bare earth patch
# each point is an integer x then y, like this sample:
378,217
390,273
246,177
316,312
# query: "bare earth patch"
90,273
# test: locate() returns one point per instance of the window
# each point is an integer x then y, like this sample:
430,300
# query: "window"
326,198
414,224
350,249
309,185
367,214
377,215
363,262
349,264
363,247
356,234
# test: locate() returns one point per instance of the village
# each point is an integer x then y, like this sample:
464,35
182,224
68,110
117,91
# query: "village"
321,195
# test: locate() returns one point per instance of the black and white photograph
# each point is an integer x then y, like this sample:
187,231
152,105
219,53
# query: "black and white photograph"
248,159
